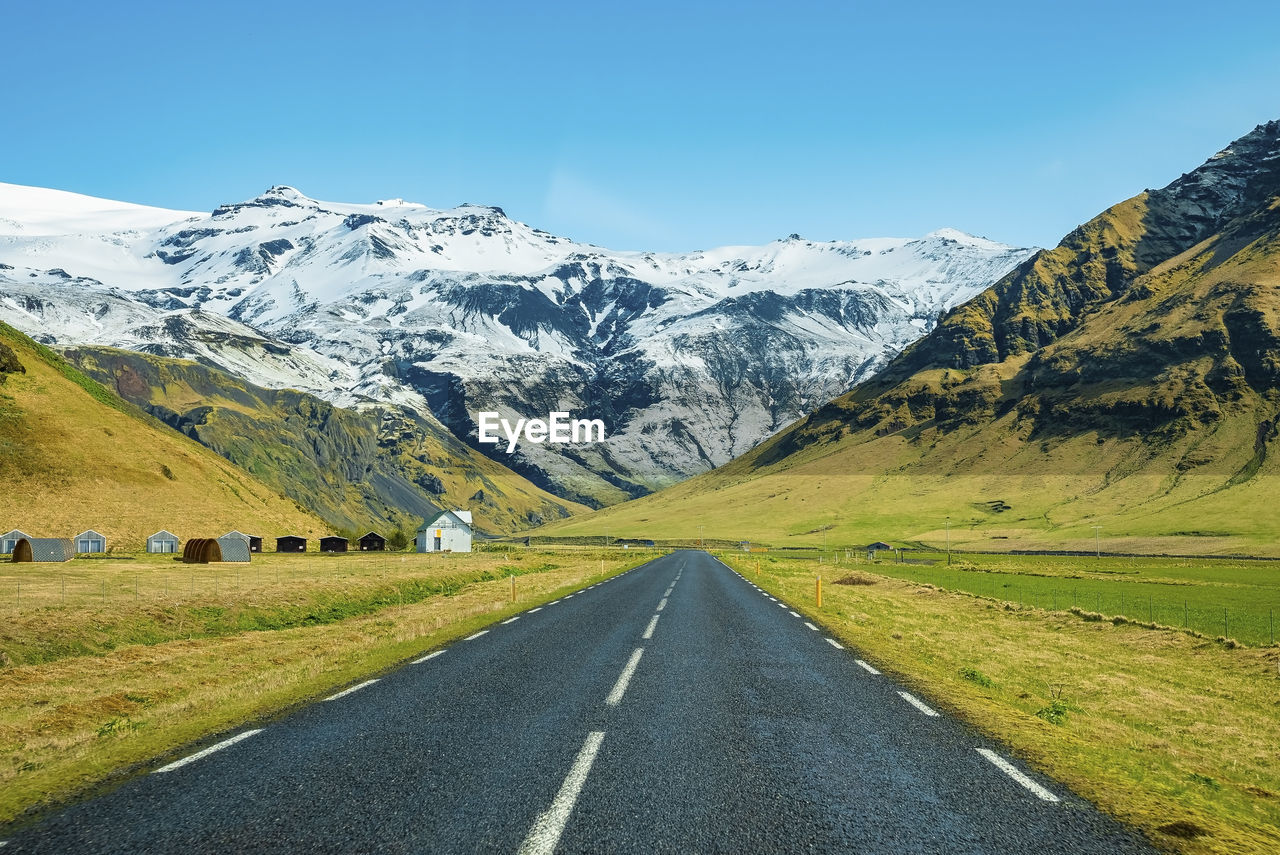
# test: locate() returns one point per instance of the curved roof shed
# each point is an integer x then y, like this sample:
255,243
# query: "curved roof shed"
44,550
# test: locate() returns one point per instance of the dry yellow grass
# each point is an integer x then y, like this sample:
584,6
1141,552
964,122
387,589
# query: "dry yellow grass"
71,461
71,722
1159,728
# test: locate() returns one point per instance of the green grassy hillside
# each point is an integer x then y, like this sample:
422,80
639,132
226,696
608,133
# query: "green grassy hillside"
1128,379
75,456
381,468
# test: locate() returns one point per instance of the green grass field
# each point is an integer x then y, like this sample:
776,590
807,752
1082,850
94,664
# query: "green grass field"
1218,597
1172,733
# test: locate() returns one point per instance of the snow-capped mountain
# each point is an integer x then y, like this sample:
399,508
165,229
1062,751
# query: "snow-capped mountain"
690,358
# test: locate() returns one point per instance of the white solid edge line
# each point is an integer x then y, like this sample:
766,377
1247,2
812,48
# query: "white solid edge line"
835,644
917,703
811,626
553,602
620,687
865,667
662,605
226,743
570,597
511,620
354,688
538,609
428,656
653,624
476,635
782,605
547,828
1005,766
793,614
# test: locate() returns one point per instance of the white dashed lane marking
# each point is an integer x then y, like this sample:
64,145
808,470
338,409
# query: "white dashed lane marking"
653,624
1008,768
620,687
547,828
428,656
835,644
811,626
355,688
865,667
476,635
917,703
226,743
538,609
511,620
662,605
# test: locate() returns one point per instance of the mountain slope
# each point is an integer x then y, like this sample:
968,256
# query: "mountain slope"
75,456
689,358
1129,378
385,467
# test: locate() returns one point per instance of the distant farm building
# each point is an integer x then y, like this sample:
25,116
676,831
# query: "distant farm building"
255,542
9,541
373,542
879,546
449,532
43,550
333,543
201,550
234,547
91,541
291,543
162,541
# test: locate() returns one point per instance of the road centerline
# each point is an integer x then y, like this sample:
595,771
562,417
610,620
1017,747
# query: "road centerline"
624,679
653,624
547,828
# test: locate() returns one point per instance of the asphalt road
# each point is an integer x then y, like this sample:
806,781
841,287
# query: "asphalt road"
674,708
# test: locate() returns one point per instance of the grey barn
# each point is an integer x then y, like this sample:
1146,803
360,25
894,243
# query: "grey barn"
9,541
163,541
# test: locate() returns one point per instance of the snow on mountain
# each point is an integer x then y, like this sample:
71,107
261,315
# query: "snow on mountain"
691,358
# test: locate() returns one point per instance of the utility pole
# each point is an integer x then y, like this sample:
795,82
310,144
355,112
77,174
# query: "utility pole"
700,543
948,540
1097,546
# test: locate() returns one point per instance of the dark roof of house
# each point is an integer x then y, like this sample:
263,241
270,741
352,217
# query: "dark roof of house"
879,544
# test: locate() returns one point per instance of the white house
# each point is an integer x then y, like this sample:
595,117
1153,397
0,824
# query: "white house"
162,541
449,532
9,541
91,541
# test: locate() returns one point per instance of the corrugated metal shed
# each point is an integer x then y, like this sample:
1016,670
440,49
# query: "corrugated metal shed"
42,550
235,547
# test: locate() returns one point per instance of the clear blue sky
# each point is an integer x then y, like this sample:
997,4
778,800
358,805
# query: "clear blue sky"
644,125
